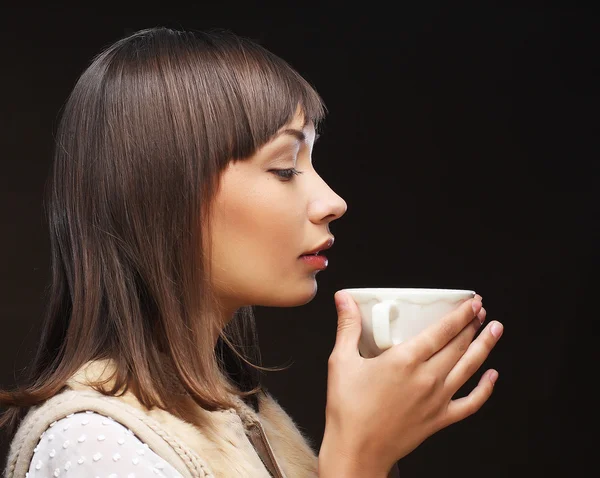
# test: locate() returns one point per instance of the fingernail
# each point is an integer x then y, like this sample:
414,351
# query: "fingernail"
481,315
493,376
496,329
476,306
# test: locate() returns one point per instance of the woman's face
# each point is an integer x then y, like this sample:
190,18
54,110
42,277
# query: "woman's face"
265,217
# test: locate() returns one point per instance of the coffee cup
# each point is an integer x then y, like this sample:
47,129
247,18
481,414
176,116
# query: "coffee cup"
391,316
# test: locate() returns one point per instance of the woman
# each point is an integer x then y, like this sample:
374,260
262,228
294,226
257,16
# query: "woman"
183,193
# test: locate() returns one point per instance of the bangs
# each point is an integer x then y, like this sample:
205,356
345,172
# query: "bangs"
226,94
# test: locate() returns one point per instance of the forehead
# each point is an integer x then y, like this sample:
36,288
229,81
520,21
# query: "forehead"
298,121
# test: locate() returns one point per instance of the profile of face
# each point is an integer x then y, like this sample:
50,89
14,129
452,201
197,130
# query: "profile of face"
269,212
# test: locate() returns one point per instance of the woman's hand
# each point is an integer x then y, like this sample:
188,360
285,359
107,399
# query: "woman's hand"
380,409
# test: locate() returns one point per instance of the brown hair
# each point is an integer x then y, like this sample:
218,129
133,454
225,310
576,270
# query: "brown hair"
142,140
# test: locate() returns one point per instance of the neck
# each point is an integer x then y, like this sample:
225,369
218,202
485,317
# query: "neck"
224,312
223,317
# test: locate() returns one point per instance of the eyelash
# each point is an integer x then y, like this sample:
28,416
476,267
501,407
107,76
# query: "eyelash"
286,174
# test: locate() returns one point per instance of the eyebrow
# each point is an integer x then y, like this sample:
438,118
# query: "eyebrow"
296,133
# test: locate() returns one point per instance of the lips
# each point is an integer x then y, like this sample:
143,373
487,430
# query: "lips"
322,247
314,259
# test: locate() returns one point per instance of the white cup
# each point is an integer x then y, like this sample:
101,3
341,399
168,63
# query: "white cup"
391,315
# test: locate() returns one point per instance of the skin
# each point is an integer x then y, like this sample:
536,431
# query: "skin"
264,218
378,409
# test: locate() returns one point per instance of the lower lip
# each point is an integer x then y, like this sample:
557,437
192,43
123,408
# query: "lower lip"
318,262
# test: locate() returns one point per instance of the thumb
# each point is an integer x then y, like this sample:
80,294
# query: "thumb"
349,322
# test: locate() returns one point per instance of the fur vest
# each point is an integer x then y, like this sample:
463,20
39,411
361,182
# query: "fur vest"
230,443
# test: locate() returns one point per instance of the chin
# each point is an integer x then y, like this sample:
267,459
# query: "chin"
294,296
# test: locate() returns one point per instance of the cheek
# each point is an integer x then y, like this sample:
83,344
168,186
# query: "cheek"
264,221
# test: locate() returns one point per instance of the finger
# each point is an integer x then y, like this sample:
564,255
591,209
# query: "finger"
445,360
437,335
461,408
349,323
474,357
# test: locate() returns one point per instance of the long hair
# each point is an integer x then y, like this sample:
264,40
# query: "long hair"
141,142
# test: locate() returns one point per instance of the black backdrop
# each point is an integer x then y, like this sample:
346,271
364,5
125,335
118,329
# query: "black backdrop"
463,137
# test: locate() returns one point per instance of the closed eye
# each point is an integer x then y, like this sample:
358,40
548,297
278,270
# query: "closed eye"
285,174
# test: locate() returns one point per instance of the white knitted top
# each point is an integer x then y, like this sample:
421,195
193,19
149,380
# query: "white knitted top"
90,444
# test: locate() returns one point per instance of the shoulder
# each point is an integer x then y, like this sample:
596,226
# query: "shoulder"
88,443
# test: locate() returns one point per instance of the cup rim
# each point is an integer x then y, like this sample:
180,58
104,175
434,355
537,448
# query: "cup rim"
408,291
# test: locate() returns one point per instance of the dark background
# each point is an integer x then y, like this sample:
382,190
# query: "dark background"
463,137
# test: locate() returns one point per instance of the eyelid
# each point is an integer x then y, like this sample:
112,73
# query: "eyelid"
285,174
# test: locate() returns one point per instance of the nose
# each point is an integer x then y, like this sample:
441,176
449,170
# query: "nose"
326,206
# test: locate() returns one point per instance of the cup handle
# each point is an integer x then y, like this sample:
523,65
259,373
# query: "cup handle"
380,319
